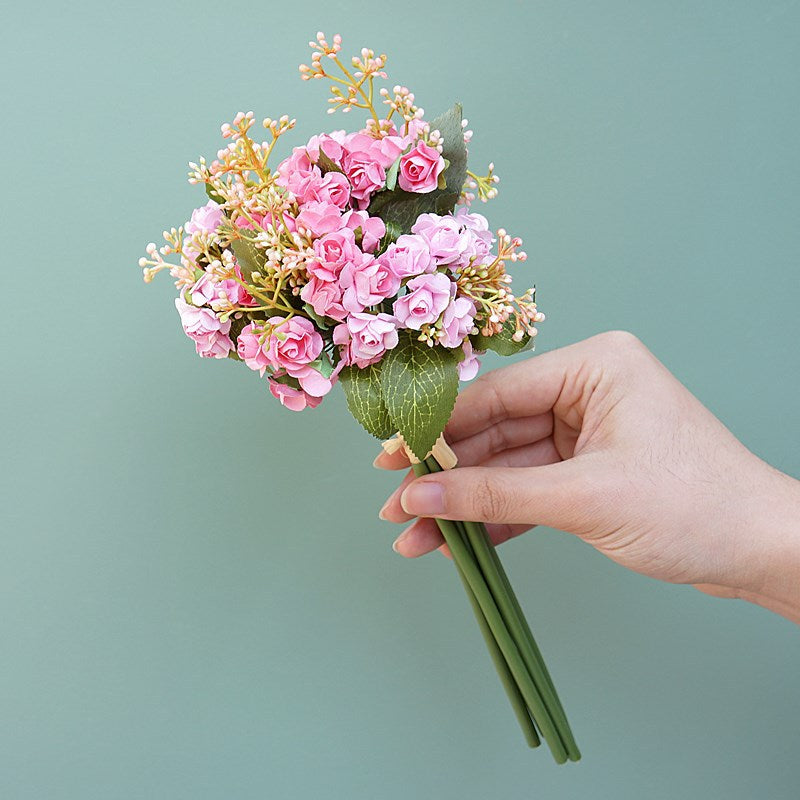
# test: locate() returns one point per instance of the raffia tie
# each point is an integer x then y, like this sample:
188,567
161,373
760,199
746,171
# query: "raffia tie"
440,451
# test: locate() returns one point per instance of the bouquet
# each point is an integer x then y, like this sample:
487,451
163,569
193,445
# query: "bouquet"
357,260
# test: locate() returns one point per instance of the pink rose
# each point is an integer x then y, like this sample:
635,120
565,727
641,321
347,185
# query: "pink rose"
251,349
468,367
458,320
325,297
207,291
373,229
291,398
319,217
206,218
295,171
329,143
364,338
366,175
293,344
449,244
203,326
408,256
333,188
427,298
420,168
366,283
384,151
333,252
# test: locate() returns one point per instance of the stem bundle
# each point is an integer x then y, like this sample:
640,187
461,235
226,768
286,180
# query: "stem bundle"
511,645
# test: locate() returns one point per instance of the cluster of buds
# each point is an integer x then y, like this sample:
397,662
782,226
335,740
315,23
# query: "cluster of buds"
401,101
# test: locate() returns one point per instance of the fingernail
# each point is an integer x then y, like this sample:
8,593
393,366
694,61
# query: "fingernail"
392,496
423,499
377,459
399,540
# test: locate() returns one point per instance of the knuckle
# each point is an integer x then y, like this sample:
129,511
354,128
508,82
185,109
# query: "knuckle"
488,500
622,341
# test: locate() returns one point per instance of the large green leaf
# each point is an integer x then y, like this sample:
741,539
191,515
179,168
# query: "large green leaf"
362,389
248,256
420,385
503,342
403,208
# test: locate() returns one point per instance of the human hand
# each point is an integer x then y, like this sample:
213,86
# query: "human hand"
600,440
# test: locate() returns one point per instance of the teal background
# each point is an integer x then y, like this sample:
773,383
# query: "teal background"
197,599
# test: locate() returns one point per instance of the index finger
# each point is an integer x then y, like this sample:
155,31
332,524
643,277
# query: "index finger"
523,389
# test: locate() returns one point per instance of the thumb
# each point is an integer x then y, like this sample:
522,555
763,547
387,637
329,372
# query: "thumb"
555,495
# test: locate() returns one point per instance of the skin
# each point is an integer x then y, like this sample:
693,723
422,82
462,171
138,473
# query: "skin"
600,440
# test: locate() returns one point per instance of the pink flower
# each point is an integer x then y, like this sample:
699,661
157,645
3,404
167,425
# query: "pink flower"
294,344
295,171
408,256
207,291
449,244
291,398
251,350
366,175
333,252
204,327
206,218
468,367
319,217
384,151
373,229
427,298
333,188
478,226
420,168
325,297
329,143
458,320
364,338
366,283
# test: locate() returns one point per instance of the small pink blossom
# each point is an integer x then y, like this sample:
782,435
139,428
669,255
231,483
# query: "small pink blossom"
468,367
366,283
293,344
319,217
328,143
408,256
207,291
333,252
251,349
295,172
206,218
364,338
373,229
427,298
325,297
458,320
291,398
366,175
449,243
203,326
384,151
420,168
333,188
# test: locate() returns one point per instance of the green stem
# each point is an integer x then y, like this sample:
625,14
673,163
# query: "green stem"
512,613
509,648
506,678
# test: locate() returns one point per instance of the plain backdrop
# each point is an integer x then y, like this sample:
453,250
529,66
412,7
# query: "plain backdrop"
197,600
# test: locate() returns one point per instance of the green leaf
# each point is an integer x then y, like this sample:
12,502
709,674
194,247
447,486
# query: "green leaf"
248,256
362,389
503,342
420,385
391,174
212,195
403,208
327,164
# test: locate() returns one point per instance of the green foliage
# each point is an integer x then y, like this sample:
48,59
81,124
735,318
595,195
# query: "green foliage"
327,164
503,342
362,389
401,207
419,387
391,174
248,256
212,195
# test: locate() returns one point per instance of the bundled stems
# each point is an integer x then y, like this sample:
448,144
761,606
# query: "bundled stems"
513,649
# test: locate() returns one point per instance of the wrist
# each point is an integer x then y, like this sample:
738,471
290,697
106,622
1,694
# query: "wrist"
771,544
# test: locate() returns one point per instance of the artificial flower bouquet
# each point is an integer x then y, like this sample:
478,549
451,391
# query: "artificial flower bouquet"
357,260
